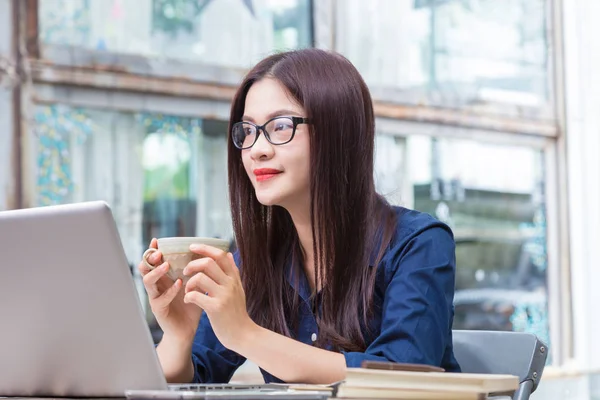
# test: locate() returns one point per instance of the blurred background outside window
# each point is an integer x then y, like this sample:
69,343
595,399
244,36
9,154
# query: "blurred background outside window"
451,53
232,33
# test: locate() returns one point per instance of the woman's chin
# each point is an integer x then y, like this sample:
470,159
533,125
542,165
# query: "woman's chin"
267,199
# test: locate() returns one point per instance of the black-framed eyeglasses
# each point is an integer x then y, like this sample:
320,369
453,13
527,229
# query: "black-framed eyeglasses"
278,130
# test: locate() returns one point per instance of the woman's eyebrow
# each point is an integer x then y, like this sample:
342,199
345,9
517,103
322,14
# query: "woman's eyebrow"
274,114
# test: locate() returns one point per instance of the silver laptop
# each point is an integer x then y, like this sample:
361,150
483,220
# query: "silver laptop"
71,323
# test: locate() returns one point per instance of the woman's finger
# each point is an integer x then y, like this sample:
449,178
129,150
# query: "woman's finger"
155,258
200,299
202,283
207,266
218,255
167,297
152,277
143,268
236,271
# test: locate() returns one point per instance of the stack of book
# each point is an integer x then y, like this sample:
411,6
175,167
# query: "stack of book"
418,385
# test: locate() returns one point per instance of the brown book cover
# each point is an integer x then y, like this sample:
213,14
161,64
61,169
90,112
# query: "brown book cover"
400,366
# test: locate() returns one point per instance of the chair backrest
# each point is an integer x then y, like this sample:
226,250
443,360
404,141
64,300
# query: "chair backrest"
495,352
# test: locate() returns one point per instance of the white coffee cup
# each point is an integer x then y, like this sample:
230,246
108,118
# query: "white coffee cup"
176,251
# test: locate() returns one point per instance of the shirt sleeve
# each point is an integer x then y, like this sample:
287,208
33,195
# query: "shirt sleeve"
417,307
213,362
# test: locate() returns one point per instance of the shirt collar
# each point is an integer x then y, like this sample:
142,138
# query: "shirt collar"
297,279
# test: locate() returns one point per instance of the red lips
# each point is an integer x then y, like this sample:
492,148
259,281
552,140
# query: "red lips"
263,174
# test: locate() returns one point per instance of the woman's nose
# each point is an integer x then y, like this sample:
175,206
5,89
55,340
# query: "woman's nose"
262,148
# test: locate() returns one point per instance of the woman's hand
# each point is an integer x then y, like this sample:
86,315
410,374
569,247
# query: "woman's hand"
216,287
178,320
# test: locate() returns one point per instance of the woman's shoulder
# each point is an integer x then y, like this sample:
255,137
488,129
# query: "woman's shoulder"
420,232
410,223
419,241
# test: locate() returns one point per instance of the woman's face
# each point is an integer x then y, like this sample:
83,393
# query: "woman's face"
280,174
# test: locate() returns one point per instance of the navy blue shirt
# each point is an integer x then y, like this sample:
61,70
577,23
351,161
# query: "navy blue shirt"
413,310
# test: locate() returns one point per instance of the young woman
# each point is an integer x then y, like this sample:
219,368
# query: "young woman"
327,273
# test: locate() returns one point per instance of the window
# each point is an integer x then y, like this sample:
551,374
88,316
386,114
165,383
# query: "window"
449,52
232,33
162,175
166,175
492,196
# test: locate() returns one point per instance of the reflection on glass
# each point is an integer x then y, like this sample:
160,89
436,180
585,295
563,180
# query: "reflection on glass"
449,52
234,33
493,198
169,193
167,174
161,175
391,181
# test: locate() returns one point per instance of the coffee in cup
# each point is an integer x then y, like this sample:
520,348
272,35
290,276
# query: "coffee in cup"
176,251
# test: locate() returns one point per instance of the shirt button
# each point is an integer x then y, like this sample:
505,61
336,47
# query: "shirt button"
313,337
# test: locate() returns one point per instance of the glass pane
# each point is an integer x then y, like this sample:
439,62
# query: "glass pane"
493,198
449,52
169,194
162,175
235,33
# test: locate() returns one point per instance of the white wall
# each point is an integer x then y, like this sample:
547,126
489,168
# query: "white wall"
6,126
582,73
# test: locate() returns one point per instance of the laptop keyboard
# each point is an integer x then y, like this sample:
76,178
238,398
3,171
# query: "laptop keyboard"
199,387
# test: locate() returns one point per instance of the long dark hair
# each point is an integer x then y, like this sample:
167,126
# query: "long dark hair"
350,222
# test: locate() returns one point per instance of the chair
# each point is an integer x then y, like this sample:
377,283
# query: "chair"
496,352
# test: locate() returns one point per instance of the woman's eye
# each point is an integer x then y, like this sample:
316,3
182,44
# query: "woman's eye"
281,126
